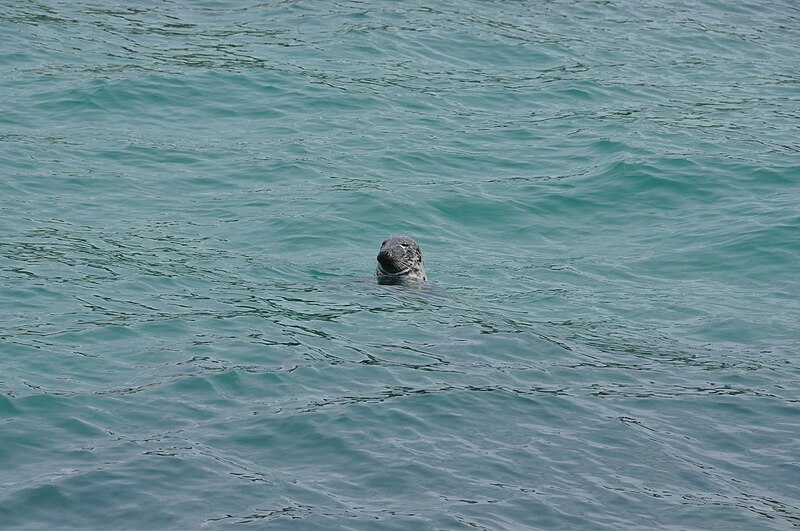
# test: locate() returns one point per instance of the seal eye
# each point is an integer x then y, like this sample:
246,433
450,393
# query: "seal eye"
384,242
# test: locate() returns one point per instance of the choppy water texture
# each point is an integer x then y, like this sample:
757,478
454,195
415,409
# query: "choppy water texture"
192,195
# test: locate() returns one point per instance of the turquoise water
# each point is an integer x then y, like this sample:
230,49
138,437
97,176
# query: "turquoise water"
192,196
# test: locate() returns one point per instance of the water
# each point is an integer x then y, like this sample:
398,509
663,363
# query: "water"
193,195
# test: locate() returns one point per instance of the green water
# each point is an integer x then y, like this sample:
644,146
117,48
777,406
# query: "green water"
192,196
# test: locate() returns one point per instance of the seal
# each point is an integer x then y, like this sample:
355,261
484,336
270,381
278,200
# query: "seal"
400,262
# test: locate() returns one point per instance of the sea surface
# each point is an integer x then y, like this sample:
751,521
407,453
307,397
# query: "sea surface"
607,196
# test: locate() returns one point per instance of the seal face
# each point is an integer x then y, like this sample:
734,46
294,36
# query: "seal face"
400,262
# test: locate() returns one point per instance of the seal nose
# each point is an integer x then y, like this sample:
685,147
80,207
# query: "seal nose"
386,260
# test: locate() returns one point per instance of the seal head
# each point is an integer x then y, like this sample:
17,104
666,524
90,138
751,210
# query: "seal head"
400,262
